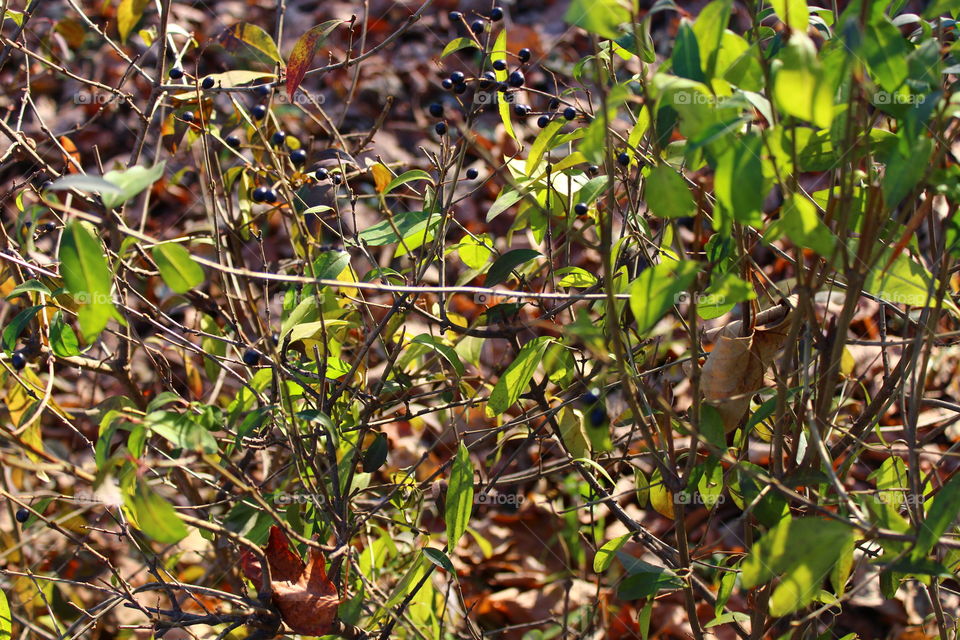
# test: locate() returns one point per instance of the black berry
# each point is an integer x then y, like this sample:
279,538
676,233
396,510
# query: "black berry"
554,104
337,178
321,174
258,112
593,169
262,90
624,159
441,128
516,79
233,141
456,16
259,194
460,88
503,87
521,110
477,26
47,227
447,84
590,397
176,73
187,116
543,121
278,138
472,174
207,83
22,515
569,113
298,157
251,358
487,79
496,14
580,209
457,77
18,361
524,55
270,196
500,65
598,415
436,110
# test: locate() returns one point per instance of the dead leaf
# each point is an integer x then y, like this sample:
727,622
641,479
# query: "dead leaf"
735,368
306,598
304,51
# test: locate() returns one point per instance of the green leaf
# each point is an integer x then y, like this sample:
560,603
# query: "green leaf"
608,552
800,88
84,184
501,268
886,53
407,223
686,54
541,144
656,289
456,45
445,351
330,264
177,268
575,277
940,515
709,27
29,286
155,516
253,36
63,341
182,430
515,379
499,52
504,201
13,330
376,453
724,292
739,180
404,178
905,282
602,17
129,182
793,13
459,502
667,194
475,253
803,551
87,277
802,224
439,558
304,51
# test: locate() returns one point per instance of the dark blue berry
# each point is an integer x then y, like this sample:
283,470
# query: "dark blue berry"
278,138
22,515
500,65
321,174
524,55
176,73
18,361
457,77
447,84
580,209
521,110
487,79
624,159
472,174
496,14
460,88
233,141
456,16
598,416
262,90
337,178
441,128
251,358
593,169
259,194
543,121
436,110
569,113
187,116
590,397
207,83
477,26
516,79
503,87
270,196
259,112
298,157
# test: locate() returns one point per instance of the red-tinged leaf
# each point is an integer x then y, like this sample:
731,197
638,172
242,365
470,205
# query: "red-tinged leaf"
309,605
306,598
303,52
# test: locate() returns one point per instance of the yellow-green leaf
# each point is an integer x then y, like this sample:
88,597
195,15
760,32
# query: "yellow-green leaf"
128,15
177,268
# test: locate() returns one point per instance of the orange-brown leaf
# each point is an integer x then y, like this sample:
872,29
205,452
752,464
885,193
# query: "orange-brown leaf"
303,52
